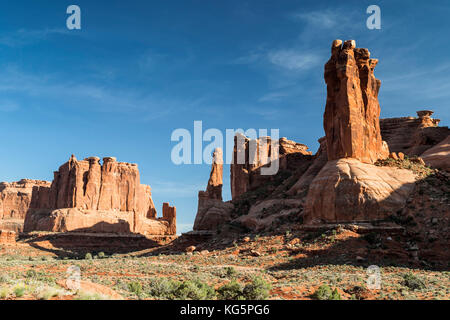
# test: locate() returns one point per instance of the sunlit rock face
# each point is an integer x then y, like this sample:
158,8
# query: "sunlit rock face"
88,196
212,212
352,111
348,190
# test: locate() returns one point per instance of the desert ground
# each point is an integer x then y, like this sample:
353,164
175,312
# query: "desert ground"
293,265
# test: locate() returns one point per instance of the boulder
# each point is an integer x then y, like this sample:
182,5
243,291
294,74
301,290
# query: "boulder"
212,213
347,190
439,155
393,156
190,249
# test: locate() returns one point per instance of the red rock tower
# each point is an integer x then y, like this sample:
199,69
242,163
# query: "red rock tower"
352,113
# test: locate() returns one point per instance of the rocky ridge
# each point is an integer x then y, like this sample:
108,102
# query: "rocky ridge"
344,181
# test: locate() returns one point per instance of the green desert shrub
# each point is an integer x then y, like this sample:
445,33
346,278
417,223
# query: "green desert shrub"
163,288
4,293
231,291
230,272
186,290
88,256
19,290
258,289
136,288
47,293
324,292
413,282
194,290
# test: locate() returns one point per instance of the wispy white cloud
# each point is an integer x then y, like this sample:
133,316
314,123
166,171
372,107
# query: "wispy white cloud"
335,19
250,58
293,60
429,82
24,37
273,96
90,96
325,19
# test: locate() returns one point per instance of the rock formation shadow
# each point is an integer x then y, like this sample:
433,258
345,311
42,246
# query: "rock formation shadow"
422,241
81,241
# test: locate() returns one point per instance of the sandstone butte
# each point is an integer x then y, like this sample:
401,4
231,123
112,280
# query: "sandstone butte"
86,196
340,183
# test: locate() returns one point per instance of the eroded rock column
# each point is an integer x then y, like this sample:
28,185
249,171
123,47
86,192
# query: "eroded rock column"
352,111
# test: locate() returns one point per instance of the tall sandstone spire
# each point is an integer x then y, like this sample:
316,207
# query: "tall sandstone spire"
212,212
215,183
350,187
352,112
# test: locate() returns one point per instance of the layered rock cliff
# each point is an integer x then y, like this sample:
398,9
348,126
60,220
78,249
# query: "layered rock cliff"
250,156
89,185
413,135
86,196
17,198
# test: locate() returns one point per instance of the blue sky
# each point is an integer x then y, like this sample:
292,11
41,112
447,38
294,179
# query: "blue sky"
140,69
